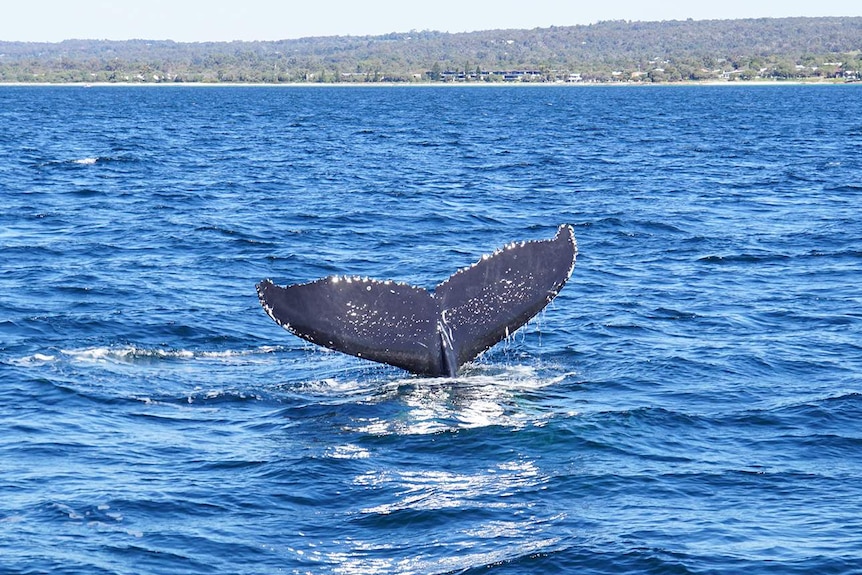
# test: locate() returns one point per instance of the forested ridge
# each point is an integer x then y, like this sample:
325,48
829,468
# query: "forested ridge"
614,51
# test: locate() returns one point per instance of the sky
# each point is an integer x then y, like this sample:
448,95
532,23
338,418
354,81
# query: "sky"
226,20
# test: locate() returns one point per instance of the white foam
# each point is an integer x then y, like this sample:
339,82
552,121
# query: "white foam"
348,452
86,161
36,358
238,353
131,353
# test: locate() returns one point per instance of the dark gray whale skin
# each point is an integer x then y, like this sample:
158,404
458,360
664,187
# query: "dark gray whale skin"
427,333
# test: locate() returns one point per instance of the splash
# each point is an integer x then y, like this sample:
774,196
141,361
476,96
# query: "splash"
504,398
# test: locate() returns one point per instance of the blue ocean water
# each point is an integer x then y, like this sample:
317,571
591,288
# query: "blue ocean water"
690,403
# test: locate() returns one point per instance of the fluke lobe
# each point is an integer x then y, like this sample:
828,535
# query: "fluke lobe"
423,332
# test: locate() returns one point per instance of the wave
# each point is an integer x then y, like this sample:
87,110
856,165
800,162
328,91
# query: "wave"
771,256
483,396
745,258
84,161
133,354
35,359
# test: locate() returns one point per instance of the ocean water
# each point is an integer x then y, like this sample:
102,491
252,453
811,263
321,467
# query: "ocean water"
690,403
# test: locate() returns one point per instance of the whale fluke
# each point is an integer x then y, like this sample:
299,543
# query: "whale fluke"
422,332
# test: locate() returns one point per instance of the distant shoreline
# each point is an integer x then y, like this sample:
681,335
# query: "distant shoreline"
612,52
424,84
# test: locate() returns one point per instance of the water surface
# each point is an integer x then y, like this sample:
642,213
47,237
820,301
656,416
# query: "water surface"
690,403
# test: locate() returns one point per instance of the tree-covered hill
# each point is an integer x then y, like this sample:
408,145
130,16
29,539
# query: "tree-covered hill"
616,51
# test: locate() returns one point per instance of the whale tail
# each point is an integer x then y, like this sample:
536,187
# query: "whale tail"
422,332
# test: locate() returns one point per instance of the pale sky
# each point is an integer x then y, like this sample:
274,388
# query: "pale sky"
225,20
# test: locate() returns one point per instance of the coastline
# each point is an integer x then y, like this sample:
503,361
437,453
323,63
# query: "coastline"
426,84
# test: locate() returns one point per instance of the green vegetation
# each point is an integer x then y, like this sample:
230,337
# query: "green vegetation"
618,51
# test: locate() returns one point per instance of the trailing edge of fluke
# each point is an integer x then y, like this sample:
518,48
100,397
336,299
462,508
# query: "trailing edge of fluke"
423,332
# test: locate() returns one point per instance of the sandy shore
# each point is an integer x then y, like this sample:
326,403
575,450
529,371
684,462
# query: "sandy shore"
424,84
